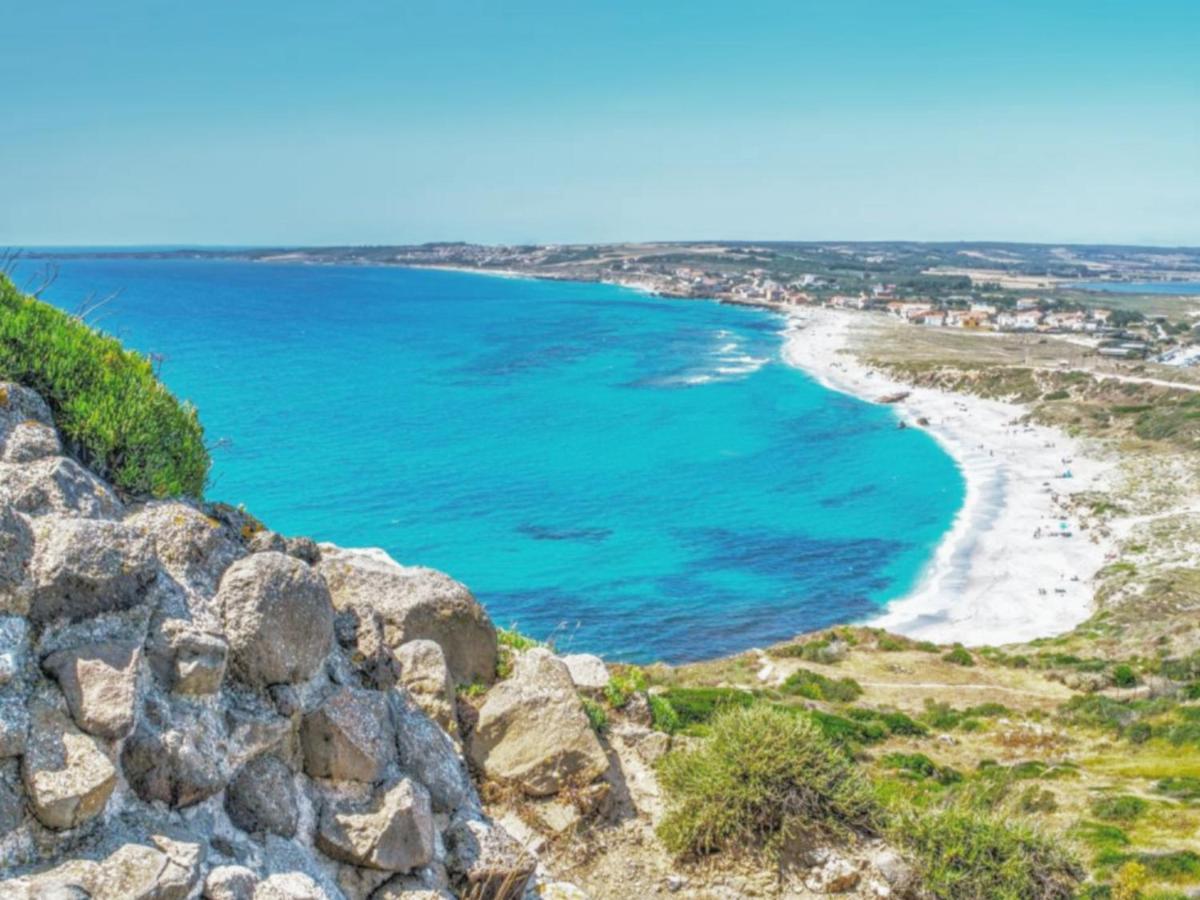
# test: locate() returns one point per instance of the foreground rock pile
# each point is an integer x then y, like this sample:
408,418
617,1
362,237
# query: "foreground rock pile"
193,706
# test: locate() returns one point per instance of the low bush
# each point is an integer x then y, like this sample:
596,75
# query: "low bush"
662,714
697,706
763,777
597,715
966,855
1121,808
622,685
111,410
960,656
814,686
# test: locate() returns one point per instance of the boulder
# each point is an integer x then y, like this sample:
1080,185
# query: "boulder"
392,831
16,552
278,619
67,775
426,677
262,798
587,671
429,755
414,603
484,861
163,870
230,883
20,404
290,886
533,732
30,440
193,547
100,683
408,887
57,485
348,737
83,567
176,755
187,659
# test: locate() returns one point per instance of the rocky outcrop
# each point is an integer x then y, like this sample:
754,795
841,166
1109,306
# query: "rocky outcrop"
414,603
193,706
533,732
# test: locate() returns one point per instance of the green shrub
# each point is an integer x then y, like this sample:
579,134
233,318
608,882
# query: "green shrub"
1123,676
697,706
960,656
966,855
511,642
1122,808
919,765
814,686
1181,787
112,412
597,716
847,733
623,685
662,714
828,649
763,776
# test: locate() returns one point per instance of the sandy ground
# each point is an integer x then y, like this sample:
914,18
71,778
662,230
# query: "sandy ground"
1005,572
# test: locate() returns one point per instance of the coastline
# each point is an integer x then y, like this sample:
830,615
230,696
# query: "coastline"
991,580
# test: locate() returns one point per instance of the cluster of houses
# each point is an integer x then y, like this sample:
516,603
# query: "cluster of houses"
1027,315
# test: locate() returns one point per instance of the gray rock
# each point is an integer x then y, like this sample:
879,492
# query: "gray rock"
533,732
187,659
16,553
14,648
14,726
12,798
363,636
278,619
57,485
266,541
290,886
83,567
230,883
164,870
348,737
30,440
303,548
485,861
100,683
193,547
176,756
20,404
392,831
68,778
425,675
414,603
262,798
587,671
408,887
429,755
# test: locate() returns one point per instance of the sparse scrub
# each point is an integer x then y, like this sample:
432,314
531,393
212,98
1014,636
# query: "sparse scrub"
763,777
960,656
814,686
112,411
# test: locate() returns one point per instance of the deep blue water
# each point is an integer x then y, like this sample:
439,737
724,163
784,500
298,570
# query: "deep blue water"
1144,287
640,477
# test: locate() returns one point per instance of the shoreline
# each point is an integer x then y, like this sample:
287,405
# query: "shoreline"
991,579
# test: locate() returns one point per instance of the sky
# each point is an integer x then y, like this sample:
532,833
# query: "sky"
307,123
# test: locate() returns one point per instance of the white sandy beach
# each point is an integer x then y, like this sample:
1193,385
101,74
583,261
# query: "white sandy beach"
992,581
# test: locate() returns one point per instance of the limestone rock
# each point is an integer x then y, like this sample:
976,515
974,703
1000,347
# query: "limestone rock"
187,659
392,831
408,887
290,886
262,798
278,619
587,671
414,603
67,775
99,682
16,552
14,726
57,485
348,737
230,883
429,755
176,756
82,567
532,729
485,861
30,440
14,648
364,637
193,547
302,548
424,673
166,871
20,404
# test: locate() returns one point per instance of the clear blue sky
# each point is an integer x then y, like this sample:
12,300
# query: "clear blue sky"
350,122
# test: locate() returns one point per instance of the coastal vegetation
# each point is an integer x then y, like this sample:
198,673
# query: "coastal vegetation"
110,408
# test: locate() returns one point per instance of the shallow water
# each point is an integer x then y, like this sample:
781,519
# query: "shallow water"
639,477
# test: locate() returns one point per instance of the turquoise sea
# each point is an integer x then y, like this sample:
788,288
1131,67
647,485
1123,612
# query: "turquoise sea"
634,476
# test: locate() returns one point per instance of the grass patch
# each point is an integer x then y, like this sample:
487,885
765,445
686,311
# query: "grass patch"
111,410
696,706
763,778
1122,808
